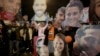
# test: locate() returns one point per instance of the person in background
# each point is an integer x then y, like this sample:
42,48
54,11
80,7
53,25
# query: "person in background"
25,17
4,41
60,16
14,40
34,37
41,28
26,37
50,32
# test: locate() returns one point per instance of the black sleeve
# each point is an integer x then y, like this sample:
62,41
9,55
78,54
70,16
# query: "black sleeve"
35,32
46,32
57,31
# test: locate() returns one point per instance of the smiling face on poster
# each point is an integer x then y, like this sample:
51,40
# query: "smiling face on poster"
39,7
8,7
73,13
88,38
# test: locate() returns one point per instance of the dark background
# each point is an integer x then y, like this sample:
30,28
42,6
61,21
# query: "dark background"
52,6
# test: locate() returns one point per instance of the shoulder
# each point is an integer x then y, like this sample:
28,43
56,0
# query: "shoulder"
32,19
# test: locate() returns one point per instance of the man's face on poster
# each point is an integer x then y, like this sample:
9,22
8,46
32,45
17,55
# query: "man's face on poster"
89,41
11,6
39,7
72,15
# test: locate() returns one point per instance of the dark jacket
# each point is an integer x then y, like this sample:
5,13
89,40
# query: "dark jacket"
46,32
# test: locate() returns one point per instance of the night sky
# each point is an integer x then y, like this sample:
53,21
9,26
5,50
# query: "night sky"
52,6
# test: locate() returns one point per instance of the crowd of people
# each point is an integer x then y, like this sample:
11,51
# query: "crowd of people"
46,36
